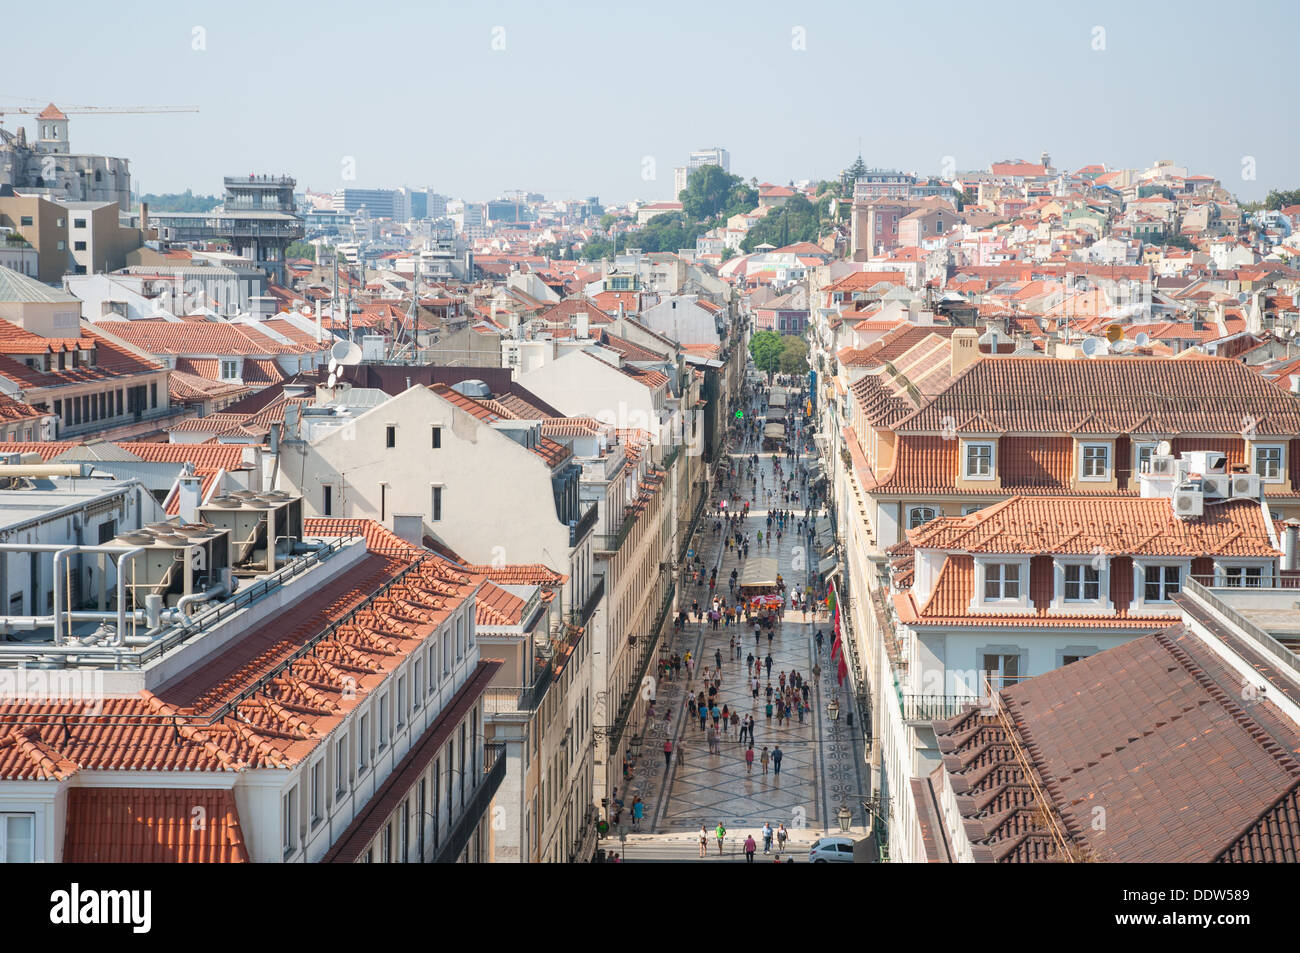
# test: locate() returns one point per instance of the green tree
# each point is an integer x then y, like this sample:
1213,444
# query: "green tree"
793,358
765,348
1177,241
1279,200
711,193
798,220
607,220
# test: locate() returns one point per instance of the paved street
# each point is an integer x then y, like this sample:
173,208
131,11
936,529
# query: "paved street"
821,761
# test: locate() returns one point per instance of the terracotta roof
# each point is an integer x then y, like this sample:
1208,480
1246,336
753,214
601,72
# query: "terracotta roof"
496,606
1115,525
1204,395
197,721
153,826
158,336
1154,731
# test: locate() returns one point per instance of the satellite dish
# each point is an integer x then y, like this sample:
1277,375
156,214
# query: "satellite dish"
1090,346
332,380
1164,449
1142,339
1113,333
334,365
347,353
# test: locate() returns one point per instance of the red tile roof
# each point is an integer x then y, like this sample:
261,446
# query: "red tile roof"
1154,731
153,826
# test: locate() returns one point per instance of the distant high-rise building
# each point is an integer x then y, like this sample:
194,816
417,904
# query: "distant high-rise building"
714,156
379,203
679,181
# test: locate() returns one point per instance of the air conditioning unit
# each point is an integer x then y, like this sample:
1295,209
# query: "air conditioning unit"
1215,485
1162,465
177,560
1188,503
1245,486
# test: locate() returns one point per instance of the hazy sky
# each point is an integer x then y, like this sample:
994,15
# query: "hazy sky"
588,98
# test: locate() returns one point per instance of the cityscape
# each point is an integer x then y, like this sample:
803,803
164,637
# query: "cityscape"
737,506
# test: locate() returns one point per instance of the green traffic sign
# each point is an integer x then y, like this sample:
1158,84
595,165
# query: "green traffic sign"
602,827
740,414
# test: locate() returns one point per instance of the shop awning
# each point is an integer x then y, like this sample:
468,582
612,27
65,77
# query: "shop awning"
827,565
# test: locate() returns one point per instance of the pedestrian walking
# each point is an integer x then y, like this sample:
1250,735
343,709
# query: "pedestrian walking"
776,760
769,713
668,753
767,837
735,724
749,760
763,759
704,839
768,660
638,812
750,847
781,835
721,832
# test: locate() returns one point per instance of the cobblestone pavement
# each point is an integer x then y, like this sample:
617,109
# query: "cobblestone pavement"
820,767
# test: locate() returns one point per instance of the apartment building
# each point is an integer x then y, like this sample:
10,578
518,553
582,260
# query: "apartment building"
330,712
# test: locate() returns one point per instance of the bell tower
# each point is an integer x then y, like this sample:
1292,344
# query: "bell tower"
52,132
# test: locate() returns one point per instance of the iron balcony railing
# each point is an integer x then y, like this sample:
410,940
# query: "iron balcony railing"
579,530
582,615
648,643
472,812
923,708
498,700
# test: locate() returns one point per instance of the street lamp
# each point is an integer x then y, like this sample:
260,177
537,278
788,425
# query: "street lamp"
845,817
634,747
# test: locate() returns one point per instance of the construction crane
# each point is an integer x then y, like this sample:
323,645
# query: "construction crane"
92,110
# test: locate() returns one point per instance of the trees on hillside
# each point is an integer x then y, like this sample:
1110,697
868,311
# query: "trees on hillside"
711,193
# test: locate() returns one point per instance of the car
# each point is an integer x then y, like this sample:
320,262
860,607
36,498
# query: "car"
831,850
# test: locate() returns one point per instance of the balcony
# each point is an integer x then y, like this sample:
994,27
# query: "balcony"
473,811
582,615
579,530
925,708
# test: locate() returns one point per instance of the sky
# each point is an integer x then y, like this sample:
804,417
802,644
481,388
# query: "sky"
579,98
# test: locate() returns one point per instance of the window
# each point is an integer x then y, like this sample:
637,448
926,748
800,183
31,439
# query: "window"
17,838
417,685
383,722
78,223
1095,463
460,639
399,716
437,438
979,461
390,436
289,806
1001,670
363,744
1002,582
25,220
78,246
341,765
386,846
1142,458
1249,576
1268,463
317,791
229,370
918,515
1160,583
1082,583
327,500
1069,659
436,515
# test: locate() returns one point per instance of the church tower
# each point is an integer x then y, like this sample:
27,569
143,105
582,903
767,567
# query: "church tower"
52,132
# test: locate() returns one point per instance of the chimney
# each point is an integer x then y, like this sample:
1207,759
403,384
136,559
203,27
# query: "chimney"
319,305
582,325
144,219
1291,544
191,490
914,311
965,349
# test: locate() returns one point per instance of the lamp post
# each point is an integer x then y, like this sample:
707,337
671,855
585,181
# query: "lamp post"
845,817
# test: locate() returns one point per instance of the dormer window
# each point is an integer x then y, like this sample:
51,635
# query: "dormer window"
1094,461
1268,462
979,461
1002,582
1082,583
